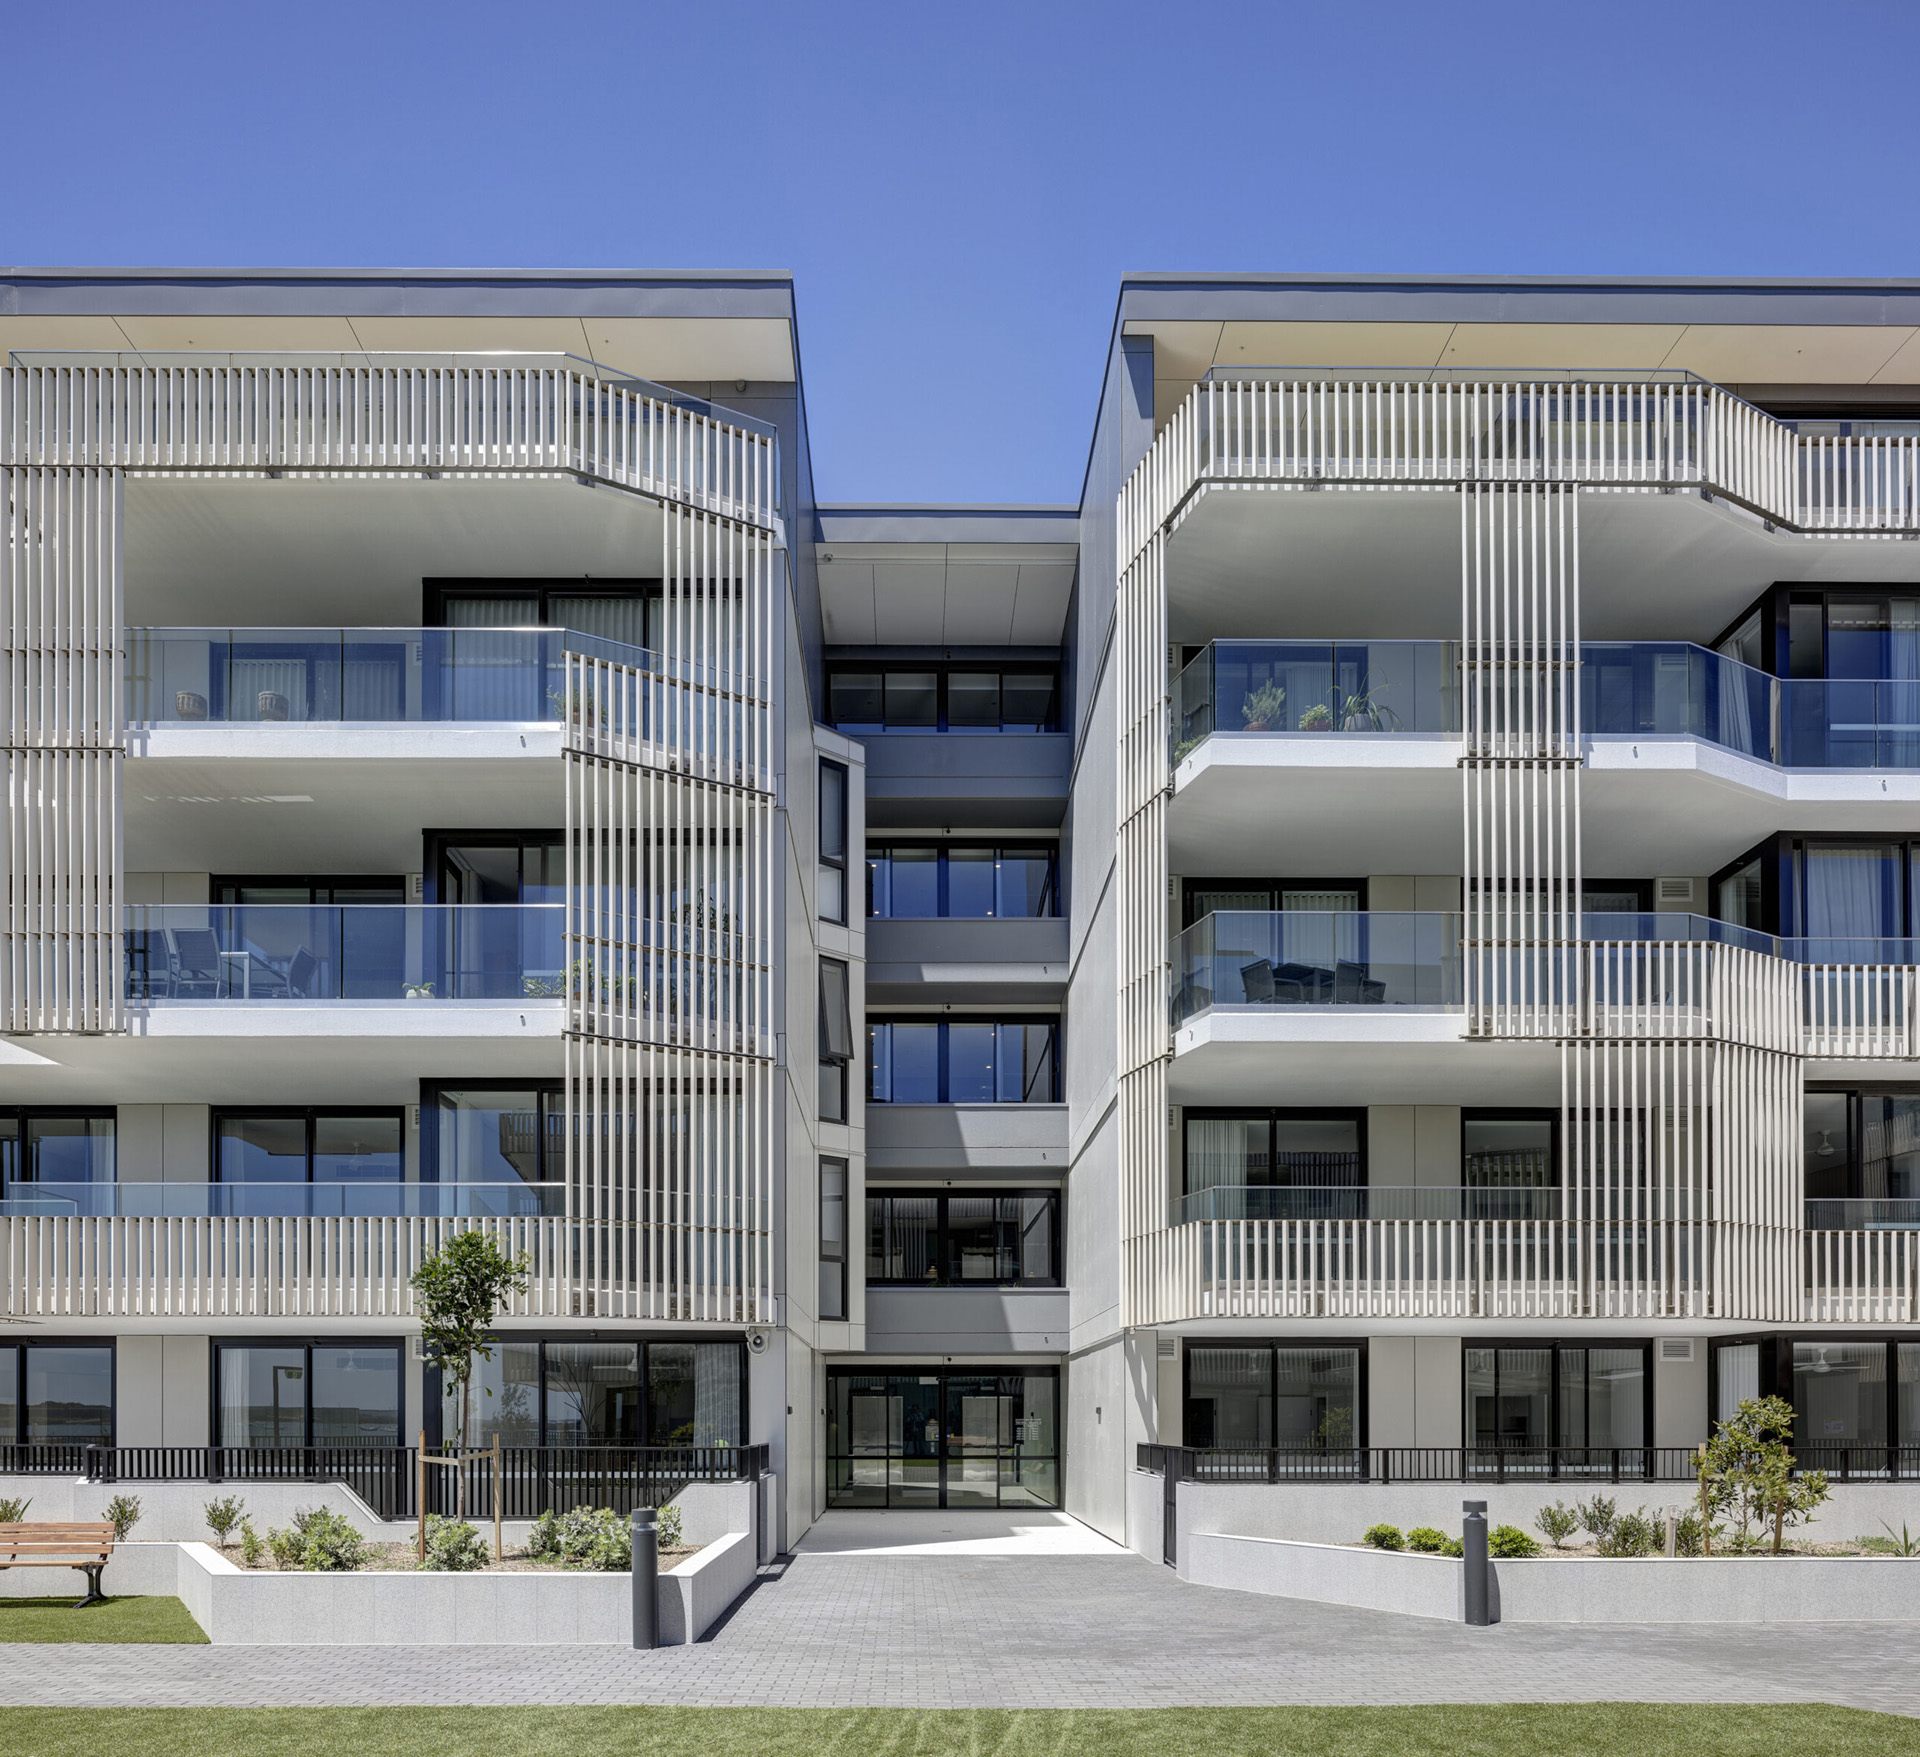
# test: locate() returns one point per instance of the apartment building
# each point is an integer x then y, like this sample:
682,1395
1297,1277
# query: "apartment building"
1381,940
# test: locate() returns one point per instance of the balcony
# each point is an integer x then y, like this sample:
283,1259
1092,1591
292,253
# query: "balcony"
1364,1202
372,676
1628,689
372,952
1313,958
368,1200
1020,959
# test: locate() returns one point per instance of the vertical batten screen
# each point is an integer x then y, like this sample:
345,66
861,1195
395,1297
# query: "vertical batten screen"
669,1134
61,576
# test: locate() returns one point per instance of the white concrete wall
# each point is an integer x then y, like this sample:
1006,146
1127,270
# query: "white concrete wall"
1377,1580
139,1385
1437,1390
1680,1398
1391,1400
186,1365
699,1591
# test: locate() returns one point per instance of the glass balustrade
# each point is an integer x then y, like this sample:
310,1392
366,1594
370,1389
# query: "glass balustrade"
355,952
1628,689
375,676
1317,958
356,1199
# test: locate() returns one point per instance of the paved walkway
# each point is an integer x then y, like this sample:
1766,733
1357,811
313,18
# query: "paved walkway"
1020,1631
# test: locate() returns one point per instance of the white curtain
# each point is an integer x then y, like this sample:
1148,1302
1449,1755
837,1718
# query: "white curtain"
716,1394
236,1428
1739,1376
1844,893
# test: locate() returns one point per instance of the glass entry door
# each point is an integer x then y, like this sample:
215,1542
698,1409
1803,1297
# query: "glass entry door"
948,1438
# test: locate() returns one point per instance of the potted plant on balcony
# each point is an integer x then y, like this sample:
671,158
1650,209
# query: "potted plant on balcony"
1262,707
1364,711
1318,718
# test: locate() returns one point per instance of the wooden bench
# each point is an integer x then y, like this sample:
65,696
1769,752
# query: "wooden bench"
81,1543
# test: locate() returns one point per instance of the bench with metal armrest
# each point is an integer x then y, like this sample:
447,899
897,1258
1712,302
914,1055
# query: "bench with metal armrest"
80,1543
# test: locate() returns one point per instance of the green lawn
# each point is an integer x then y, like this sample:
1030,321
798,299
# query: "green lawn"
1587,1730
119,1619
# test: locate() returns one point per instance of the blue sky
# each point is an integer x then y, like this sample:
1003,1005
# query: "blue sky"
959,189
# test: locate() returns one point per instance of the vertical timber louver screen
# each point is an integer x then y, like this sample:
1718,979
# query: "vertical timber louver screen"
64,749
669,946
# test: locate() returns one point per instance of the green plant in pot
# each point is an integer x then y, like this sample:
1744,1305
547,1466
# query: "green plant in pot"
1318,718
1364,711
1262,707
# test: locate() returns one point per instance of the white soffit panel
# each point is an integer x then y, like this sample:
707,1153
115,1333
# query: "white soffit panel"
909,602
1904,367
846,601
158,334
979,604
1779,354
1332,344
1620,347
675,350
1040,611
60,332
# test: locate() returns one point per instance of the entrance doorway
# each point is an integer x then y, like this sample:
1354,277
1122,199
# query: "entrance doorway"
943,1437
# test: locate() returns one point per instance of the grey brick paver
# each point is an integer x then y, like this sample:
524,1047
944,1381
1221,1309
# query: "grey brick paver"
1054,1631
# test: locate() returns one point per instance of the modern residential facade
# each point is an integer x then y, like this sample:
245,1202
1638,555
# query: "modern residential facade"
1380,941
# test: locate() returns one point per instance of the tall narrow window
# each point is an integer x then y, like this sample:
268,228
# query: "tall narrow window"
833,841
836,1039
833,1238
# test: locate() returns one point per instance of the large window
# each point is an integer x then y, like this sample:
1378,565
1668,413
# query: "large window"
1847,892
257,1146
915,696
836,1038
1275,1394
48,1156
1861,1146
992,1238
627,611
56,1394
540,1392
478,1132
963,1061
1507,1150
833,841
833,1238
984,881
1312,1149
943,1437
320,1393
1536,1396
282,890
1202,897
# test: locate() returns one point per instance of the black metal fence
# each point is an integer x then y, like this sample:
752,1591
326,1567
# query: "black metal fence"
1484,1464
533,1479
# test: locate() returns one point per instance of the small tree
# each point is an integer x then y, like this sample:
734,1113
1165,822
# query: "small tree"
1748,1466
460,1290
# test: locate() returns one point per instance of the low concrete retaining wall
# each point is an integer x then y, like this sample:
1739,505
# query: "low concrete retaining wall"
701,1590
1339,1512
1717,1589
136,1570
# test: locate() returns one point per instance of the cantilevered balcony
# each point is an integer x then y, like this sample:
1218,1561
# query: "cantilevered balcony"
356,1198
356,952
377,676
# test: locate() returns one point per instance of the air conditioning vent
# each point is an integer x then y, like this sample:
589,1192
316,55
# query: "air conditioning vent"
1676,1349
417,887
1169,1347
1675,890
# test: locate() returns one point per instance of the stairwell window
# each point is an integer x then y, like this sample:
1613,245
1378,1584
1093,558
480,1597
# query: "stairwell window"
833,1238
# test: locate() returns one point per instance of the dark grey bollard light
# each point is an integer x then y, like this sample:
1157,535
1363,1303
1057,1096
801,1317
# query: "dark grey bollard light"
646,1577
1473,1547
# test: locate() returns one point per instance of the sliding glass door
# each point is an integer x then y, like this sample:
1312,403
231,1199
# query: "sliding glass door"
947,1437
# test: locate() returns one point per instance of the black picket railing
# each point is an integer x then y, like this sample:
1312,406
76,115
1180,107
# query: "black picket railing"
1484,1464
534,1479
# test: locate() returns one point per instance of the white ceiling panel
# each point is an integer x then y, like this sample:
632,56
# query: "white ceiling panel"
979,609
1331,344
909,603
674,349
846,601
1783,354
1040,611
256,334
1623,347
60,332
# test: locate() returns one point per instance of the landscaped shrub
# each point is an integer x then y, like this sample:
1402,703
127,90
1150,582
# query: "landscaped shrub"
1427,1540
583,1537
320,1541
14,1509
1748,1467
1596,1517
1557,1523
223,1516
1453,1547
1687,1535
454,1546
1639,1533
124,1511
669,1528
252,1547
1384,1537
1506,1542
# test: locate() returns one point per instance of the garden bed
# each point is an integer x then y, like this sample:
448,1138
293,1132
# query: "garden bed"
403,1558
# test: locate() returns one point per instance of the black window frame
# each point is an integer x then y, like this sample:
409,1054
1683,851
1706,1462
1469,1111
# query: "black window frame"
21,1114
945,1021
311,1113
835,823
1781,858
20,1344
943,1252
227,882
430,1090
1511,1113
1554,1345
943,669
435,592
943,850
1273,1346
1192,888
432,1414
308,1344
829,1259
435,843
1273,1115
1776,1380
